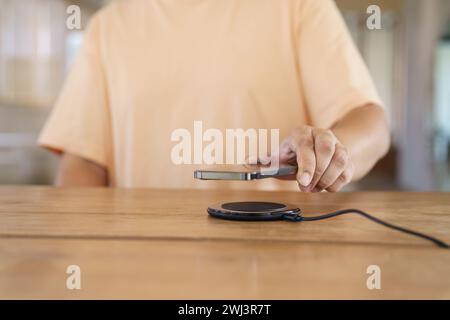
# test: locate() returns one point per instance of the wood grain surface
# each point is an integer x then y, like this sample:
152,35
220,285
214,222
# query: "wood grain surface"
138,243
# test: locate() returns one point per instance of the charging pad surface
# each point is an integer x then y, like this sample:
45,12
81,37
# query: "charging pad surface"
252,210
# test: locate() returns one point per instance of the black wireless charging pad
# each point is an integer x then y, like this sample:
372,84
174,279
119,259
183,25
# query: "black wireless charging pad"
268,211
253,211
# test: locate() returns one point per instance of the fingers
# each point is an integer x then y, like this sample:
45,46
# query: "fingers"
335,169
324,149
287,151
323,162
342,180
305,156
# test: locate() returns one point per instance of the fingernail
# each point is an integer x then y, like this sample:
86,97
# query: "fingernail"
305,179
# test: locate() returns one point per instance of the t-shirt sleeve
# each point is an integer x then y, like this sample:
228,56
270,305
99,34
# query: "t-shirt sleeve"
80,122
334,77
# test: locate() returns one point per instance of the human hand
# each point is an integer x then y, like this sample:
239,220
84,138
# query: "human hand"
323,162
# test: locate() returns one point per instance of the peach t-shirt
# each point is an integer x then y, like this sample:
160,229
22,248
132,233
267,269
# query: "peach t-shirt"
148,67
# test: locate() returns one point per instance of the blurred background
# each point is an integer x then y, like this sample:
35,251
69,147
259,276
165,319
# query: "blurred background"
409,59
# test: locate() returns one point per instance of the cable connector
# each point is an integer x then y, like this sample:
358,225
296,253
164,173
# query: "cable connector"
291,217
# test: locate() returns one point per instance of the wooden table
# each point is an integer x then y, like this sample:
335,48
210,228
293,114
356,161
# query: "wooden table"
162,244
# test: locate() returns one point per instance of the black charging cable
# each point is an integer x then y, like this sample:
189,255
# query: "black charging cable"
299,217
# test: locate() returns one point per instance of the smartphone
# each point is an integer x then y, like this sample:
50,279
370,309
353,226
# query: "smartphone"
245,173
